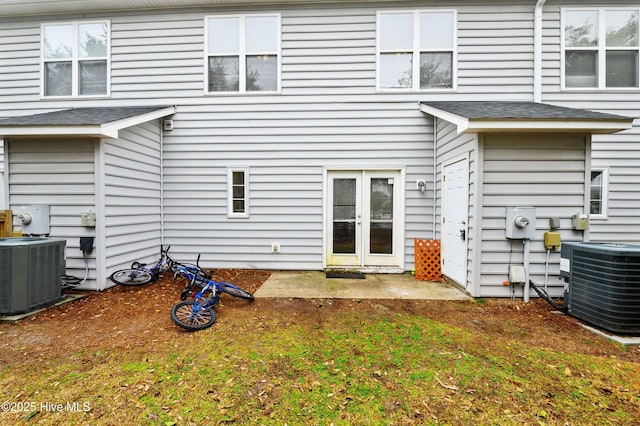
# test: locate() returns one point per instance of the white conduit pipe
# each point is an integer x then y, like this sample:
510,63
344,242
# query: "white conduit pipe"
525,261
537,51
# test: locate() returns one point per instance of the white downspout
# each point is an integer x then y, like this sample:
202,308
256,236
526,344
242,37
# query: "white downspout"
537,51
435,174
161,181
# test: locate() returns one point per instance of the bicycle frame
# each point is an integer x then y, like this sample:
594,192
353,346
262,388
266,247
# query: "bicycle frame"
197,278
164,263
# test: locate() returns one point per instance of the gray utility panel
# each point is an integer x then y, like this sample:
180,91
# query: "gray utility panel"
603,284
30,271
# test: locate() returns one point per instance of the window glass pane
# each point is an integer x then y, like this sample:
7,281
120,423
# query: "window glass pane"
238,191
93,77
344,216
238,178
596,193
581,69
344,199
622,28
223,35
57,79
224,74
396,31
581,28
381,216
344,237
58,41
262,73
395,70
381,238
93,40
436,30
622,68
238,206
381,198
436,70
261,34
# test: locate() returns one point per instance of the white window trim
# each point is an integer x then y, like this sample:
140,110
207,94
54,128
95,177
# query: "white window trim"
75,59
604,195
230,212
416,51
601,49
242,90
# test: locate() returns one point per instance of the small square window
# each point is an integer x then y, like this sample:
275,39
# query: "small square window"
238,193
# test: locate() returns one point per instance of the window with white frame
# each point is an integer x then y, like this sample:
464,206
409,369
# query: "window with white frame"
243,53
238,192
75,59
416,49
601,48
599,193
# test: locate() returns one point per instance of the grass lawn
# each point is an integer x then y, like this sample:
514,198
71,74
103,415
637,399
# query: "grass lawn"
358,367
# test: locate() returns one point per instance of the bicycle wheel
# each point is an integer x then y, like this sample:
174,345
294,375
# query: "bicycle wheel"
183,316
131,277
235,291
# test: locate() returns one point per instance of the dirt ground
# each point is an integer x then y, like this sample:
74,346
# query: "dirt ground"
129,317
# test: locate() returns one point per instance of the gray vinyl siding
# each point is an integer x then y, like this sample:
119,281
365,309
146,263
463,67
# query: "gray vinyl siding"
132,196
286,156
328,115
620,152
59,173
542,171
495,45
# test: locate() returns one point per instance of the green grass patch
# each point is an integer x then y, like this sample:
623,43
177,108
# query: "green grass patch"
357,368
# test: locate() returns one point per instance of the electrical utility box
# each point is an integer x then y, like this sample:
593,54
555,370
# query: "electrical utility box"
520,223
34,219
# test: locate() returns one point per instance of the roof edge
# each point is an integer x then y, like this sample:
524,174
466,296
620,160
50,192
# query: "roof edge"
109,129
583,121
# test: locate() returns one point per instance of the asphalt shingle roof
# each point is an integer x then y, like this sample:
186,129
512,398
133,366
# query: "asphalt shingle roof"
496,110
79,116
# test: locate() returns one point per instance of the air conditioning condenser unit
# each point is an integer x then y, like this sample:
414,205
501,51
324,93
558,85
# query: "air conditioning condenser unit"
30,272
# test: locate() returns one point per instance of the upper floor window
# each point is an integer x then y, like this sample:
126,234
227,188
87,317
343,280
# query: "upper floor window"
75,59
416,50
601,48
243,53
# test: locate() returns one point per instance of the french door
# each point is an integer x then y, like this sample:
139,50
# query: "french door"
364,219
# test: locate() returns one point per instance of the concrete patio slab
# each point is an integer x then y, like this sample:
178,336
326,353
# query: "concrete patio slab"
315,285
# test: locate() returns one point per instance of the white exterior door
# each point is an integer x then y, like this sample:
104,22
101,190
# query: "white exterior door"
364,219
455,212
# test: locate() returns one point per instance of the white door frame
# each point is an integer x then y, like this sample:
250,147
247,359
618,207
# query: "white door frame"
454,232
365,261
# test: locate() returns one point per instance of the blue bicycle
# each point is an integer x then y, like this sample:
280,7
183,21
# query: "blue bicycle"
141,273
205,291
